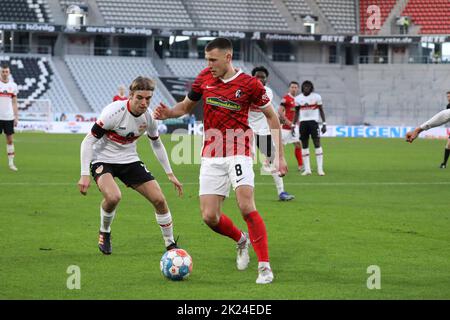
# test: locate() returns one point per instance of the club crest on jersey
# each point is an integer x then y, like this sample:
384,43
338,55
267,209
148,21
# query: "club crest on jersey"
217,102
238,93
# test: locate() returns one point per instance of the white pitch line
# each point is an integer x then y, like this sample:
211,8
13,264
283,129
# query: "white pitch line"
257,183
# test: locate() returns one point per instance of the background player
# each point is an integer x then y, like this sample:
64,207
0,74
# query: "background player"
121,94
111,150
308,107
258,122
9,112
289,132
447,146
226,159
435,121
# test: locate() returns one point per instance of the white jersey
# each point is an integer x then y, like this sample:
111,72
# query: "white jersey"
8,91
309,106
257,120
118,144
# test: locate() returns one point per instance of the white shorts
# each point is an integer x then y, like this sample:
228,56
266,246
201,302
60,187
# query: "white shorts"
287,137
218,174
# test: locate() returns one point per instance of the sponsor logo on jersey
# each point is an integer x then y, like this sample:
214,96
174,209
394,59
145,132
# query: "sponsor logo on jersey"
217,102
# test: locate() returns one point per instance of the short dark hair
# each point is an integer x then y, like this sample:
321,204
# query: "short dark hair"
294,82
142,83
219,43
448,92
260,69
5,66
307,82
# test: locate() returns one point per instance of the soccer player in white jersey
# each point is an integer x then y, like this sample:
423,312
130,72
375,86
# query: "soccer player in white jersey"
9,112
110,151
258,122
438,119
309,107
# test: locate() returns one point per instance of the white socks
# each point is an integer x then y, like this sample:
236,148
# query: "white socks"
278,182
306,163
106,218
10,151
165,223
319,159
263,265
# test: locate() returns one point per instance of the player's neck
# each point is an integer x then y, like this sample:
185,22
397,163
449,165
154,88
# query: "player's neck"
231,72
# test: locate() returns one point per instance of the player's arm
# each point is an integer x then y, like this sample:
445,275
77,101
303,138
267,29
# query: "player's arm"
86,155
163,112
15,110
275,129
438,119
322,115
281,114
161,154
297,114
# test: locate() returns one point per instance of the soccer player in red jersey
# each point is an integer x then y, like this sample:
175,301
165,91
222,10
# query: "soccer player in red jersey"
121,95
289,130
227,153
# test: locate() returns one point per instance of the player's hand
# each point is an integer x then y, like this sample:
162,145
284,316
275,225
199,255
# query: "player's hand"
177,184
16,121
293,131
282,167
83,184
161,112
412,135
324,128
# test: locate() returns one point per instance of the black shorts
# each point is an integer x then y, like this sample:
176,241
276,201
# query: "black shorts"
309,128
265,145
129,173
7,126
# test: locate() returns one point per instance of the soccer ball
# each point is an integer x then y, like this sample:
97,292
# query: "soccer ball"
176,264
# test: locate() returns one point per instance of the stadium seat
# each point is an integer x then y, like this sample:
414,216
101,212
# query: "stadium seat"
432,15
386,7
25,11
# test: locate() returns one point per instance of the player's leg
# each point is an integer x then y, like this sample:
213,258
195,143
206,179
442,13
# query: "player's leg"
153,193
266,146
298,155
242,178
318,149
304,138
111,198
214,187
9,132
446,154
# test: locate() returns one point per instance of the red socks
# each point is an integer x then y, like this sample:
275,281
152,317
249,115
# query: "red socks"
258,235
298,155
227,228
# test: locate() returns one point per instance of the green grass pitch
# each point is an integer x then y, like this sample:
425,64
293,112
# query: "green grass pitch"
383,202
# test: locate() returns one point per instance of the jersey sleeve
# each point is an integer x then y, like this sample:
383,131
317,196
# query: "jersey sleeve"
152,127
319,99
260,97
15,90
105,121
196,90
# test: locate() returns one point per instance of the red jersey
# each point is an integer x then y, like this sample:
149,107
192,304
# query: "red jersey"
288,103
117,98
226,104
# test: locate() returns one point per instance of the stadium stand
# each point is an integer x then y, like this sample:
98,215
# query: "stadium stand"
385,6
190,68
298,8
340,13
237,15
25,11
36,78
99,77
155,13
432,15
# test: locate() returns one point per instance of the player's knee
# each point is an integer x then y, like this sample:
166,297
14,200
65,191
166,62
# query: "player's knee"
159,203
246,207
113,199
209,217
